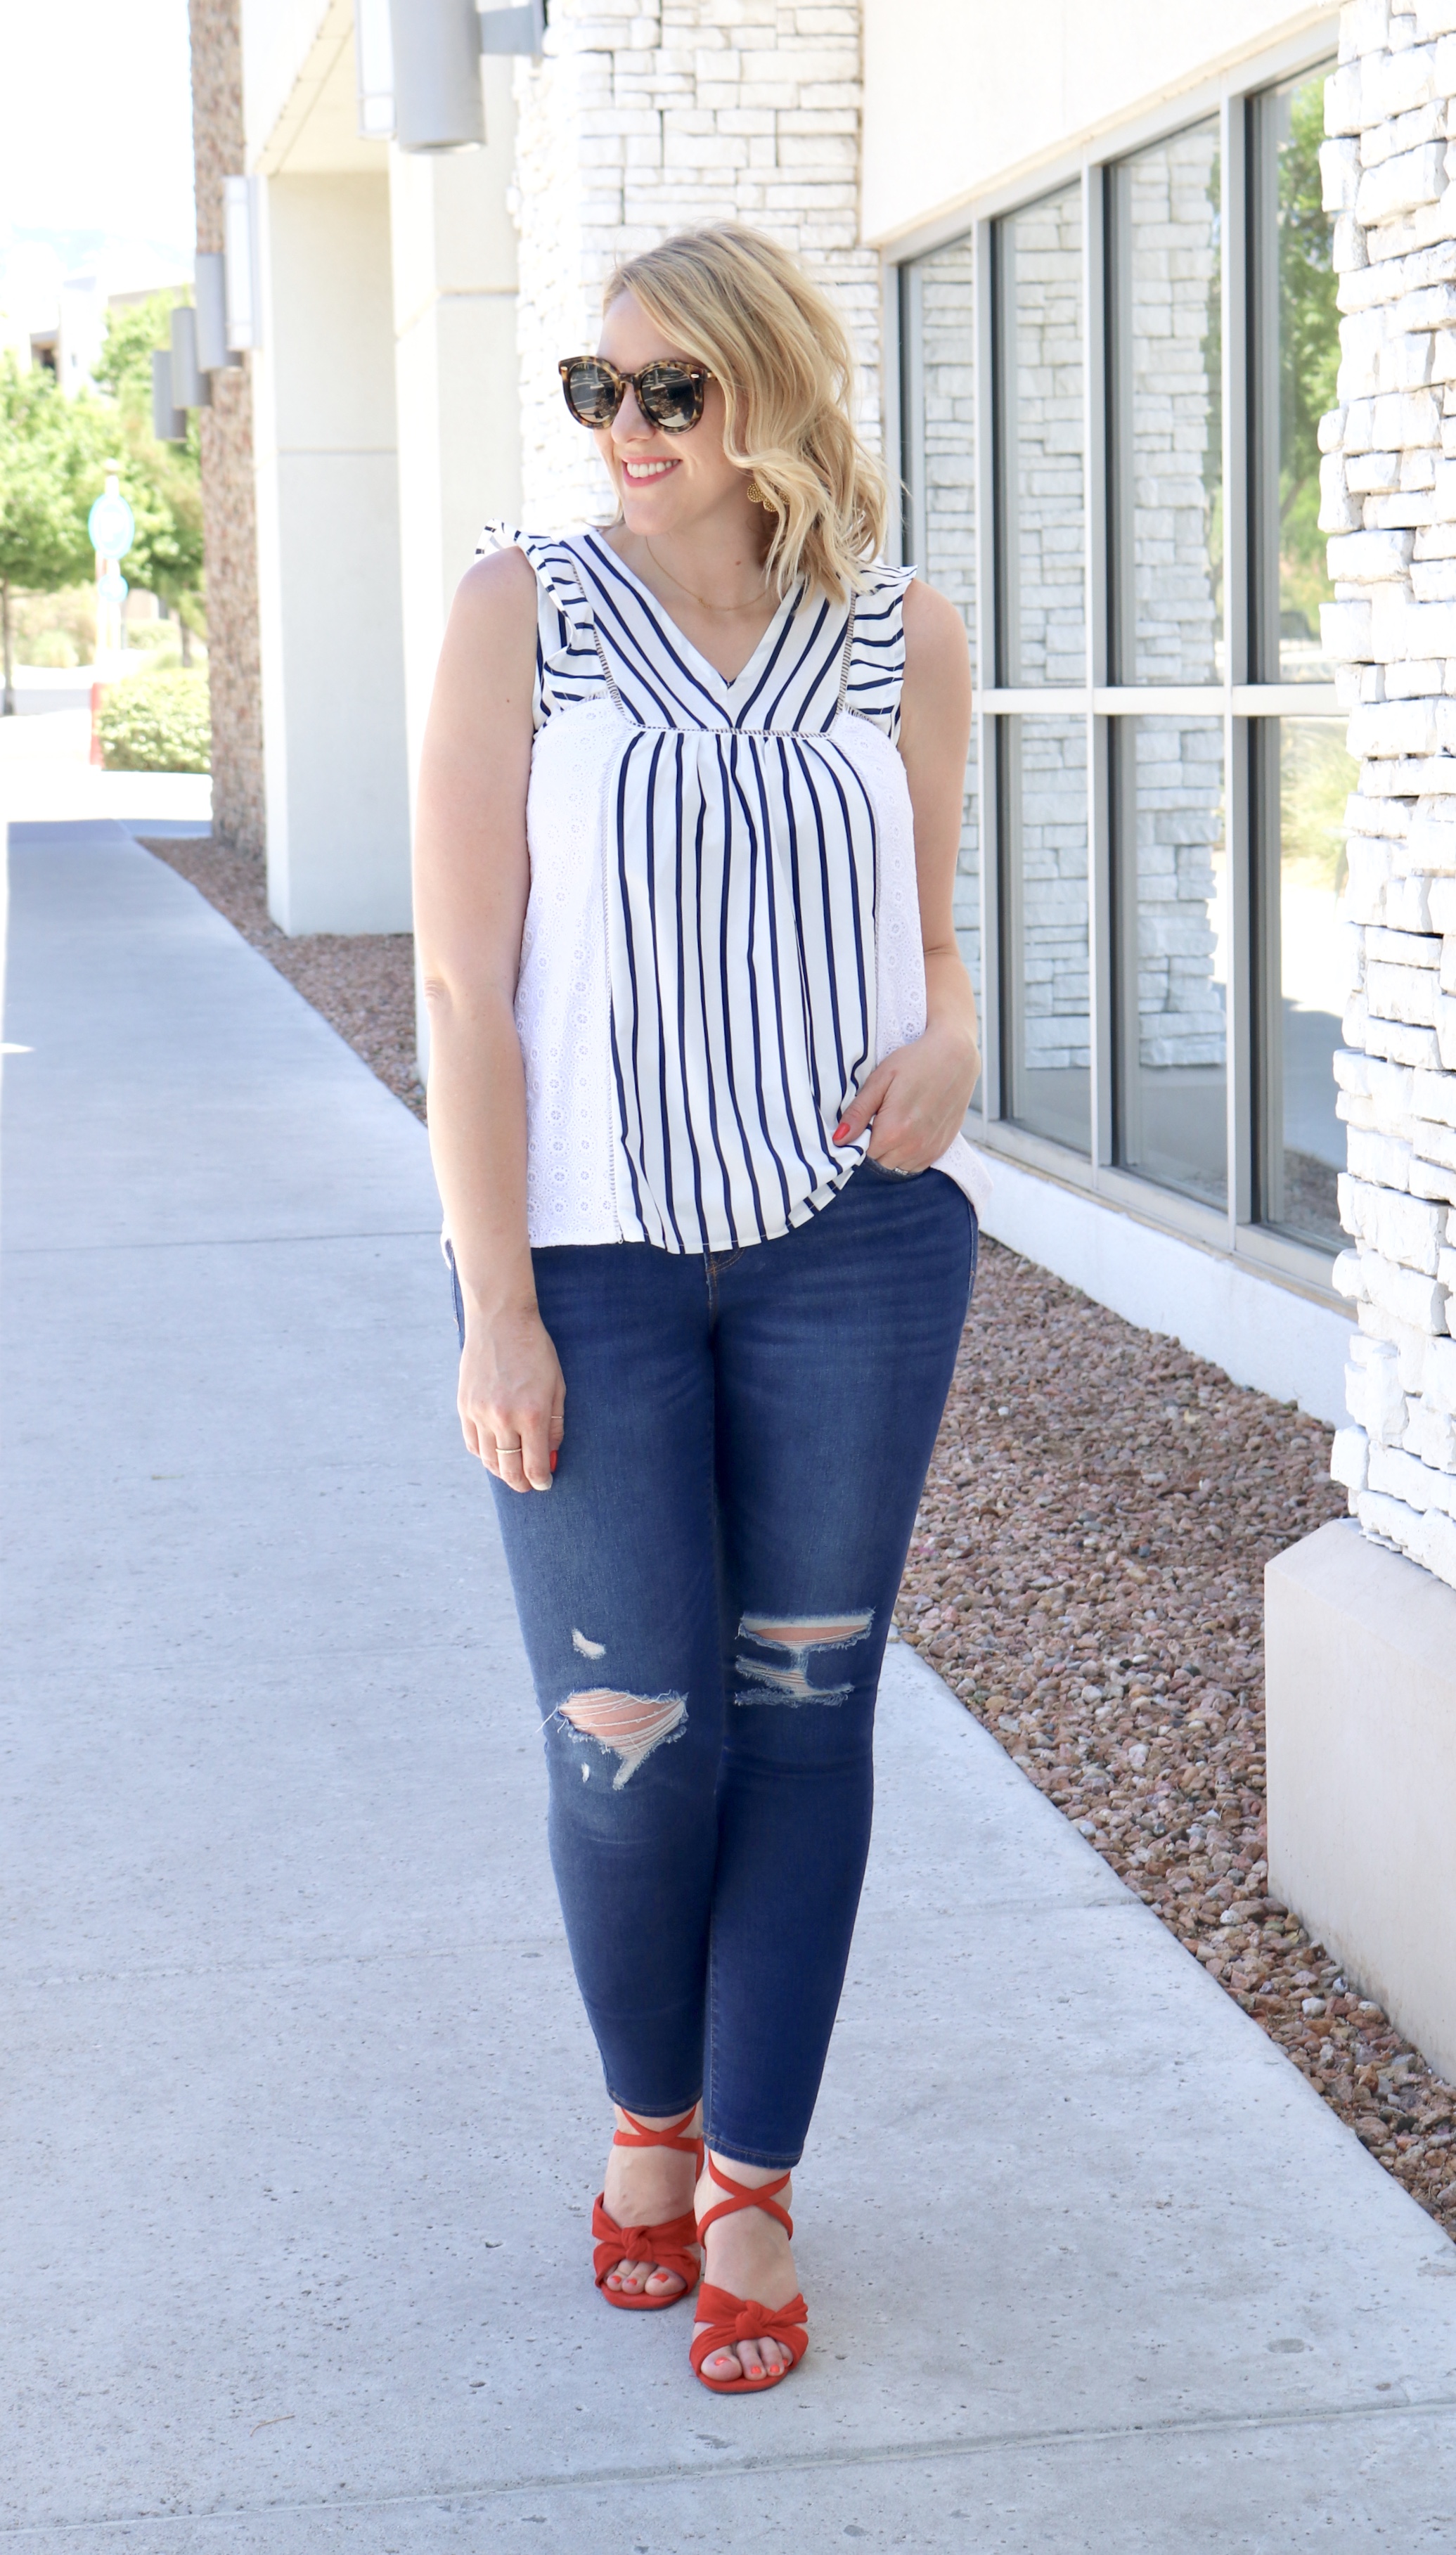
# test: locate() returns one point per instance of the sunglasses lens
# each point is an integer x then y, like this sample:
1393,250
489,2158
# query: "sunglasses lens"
592,394
671,397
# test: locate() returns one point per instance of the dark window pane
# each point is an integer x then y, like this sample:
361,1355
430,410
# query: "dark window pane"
1167,411
1295,355
1048,1057
1303,779
1173,947
1042,607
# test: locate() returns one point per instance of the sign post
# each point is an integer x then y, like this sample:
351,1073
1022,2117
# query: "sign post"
112,527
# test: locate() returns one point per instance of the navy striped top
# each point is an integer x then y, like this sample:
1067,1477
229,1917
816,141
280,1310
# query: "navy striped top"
740,866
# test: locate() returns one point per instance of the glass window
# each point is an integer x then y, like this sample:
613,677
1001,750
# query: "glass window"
1041,590
1294,350
1047,1058
1173,953
1167,411
938,439
1118,827
1303,779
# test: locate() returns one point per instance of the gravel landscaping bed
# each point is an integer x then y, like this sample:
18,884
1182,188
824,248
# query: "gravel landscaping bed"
362,982
1086,1575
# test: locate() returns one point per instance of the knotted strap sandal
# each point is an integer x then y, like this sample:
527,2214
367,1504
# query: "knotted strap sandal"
729,2320
667,2245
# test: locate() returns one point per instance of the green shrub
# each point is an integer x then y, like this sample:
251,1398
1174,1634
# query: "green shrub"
157,722
53,648
33,616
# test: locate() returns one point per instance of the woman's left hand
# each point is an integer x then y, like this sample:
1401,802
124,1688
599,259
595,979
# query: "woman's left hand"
917,1098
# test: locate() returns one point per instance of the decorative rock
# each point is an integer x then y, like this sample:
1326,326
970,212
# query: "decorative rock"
1098,1495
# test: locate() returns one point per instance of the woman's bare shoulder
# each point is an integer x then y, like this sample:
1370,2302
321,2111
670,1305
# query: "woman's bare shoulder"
487,661
498,591
937,655
491,633
933,623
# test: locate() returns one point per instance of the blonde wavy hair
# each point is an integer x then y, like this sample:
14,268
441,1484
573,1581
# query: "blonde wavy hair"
741,306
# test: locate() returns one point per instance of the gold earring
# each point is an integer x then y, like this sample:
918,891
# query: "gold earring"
757,497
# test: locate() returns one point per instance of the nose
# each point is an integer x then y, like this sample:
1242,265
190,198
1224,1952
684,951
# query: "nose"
628,421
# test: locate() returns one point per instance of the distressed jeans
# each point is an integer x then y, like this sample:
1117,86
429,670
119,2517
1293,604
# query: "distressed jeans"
705,1594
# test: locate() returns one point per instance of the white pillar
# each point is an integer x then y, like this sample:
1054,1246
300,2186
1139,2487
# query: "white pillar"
456,379
328,559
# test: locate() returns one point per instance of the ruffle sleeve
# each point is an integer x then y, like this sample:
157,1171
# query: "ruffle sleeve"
877,651
568,666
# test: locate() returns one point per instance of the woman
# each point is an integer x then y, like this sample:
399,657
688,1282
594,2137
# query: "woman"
701,1046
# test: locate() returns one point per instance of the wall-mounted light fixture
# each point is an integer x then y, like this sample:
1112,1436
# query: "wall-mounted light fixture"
209,294
513,31
436,50
418,66
209,334
169,423
190,385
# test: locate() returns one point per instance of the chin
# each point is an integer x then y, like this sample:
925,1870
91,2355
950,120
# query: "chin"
645,509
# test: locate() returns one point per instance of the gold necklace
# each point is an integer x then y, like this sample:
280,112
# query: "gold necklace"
699,599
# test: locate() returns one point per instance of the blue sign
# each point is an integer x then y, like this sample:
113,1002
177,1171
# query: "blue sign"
112,526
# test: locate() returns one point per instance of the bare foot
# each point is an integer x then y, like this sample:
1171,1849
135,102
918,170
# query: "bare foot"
748,2255
647,2187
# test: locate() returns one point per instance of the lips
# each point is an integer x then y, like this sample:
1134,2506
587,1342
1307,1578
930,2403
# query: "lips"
641,474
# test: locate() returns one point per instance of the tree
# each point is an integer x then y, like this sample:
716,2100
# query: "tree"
1310,349
49,458
163,482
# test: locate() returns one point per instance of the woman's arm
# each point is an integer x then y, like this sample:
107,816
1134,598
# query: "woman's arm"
471,880
919,1095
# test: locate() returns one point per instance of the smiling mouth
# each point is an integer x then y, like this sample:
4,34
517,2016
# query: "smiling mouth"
639,472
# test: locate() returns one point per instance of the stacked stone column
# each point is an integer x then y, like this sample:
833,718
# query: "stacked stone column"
649,116
1390,503
229,509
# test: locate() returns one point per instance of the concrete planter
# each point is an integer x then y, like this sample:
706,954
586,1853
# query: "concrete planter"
1361,1667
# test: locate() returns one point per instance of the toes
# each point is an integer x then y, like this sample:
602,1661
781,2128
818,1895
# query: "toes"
666,2284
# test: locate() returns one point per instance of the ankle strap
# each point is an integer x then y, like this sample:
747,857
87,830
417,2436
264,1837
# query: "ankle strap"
746,2195
638,2136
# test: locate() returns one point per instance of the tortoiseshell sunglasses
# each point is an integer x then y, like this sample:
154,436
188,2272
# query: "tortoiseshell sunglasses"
670,395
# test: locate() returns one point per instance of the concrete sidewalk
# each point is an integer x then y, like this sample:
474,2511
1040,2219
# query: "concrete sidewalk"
302,2120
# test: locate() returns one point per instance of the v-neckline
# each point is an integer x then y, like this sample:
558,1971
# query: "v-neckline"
728,684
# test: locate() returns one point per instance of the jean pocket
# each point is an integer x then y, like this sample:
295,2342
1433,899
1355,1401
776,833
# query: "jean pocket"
883,1172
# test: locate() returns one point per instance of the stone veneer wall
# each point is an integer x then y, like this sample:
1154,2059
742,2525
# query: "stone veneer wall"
1390,501
229,523
645,117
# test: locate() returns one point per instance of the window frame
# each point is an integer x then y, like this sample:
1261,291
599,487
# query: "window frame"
1238,701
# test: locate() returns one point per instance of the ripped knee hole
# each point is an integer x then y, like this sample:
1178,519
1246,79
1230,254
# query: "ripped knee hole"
631,1726
786,1679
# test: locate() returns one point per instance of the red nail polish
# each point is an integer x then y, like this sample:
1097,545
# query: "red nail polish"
841,1130
554,1460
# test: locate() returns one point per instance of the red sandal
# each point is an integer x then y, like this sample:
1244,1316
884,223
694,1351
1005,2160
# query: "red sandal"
731,2320
667,2244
